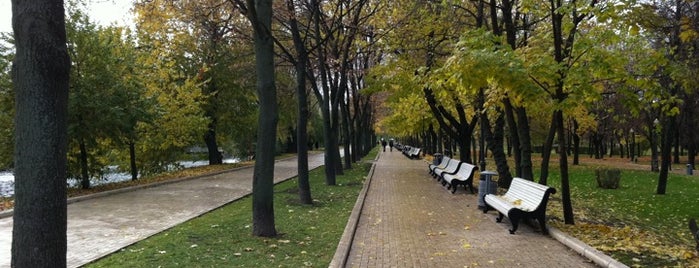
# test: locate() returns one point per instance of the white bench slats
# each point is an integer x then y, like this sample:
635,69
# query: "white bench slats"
451,168
464,176
411,152
524,199
441,165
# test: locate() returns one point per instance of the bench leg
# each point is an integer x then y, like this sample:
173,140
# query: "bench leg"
542,223
514,217
515,224
500,216
470,187
453,187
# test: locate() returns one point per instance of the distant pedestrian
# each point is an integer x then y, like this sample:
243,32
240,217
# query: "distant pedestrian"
390,144
383,144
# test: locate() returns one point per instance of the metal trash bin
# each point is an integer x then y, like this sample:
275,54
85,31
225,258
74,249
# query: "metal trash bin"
486,186
437,159
690,169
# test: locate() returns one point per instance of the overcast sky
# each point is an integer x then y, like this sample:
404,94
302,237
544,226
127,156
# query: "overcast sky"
104,12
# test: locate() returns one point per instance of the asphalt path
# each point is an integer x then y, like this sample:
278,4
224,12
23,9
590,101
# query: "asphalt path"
104,223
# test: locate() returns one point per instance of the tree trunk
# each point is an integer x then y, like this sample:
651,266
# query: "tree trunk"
324,100
495,140
260,15
84,172
302,99
215,156
653,147
514,137
665,153
576,143
546,152
132,161
329,159
484,125
335,141
563,165
347,135
677,151
40,77
525,142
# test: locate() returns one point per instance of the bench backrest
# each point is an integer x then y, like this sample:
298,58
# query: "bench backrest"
465,170
444,162
452,166
531,194
416,152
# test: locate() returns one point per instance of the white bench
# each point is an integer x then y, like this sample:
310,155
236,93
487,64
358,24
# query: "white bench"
524,200
411,152
451,168
442,164
414,153
464,176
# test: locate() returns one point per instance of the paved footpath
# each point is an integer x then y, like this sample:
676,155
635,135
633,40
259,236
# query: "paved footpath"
410,220
102,225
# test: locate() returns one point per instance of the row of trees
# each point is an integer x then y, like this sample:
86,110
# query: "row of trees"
452,69
87,95
509,70
182,76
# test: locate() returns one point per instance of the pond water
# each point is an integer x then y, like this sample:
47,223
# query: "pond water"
7,179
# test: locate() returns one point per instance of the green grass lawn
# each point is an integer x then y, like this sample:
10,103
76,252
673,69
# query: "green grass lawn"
632,224
309,234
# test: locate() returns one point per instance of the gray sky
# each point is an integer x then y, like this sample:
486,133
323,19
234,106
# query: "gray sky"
104,12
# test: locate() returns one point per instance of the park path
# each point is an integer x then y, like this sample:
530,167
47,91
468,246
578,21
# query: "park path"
102,225
410,220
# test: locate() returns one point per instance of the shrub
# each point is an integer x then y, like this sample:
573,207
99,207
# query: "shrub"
608,178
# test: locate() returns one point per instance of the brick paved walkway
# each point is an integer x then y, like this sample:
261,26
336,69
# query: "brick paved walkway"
410,220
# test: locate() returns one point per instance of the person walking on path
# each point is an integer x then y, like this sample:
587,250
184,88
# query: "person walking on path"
383,144
390,144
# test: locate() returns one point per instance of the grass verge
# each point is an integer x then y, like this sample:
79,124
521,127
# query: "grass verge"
308,236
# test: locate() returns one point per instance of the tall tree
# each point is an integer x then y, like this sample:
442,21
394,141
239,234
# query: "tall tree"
40,73
175,90
678,21
100,95
209,39
259,13
300,64
571,68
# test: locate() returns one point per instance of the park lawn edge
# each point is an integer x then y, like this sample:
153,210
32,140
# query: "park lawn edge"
308,234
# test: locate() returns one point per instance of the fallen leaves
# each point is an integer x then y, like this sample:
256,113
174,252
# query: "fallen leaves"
434,234
627,239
